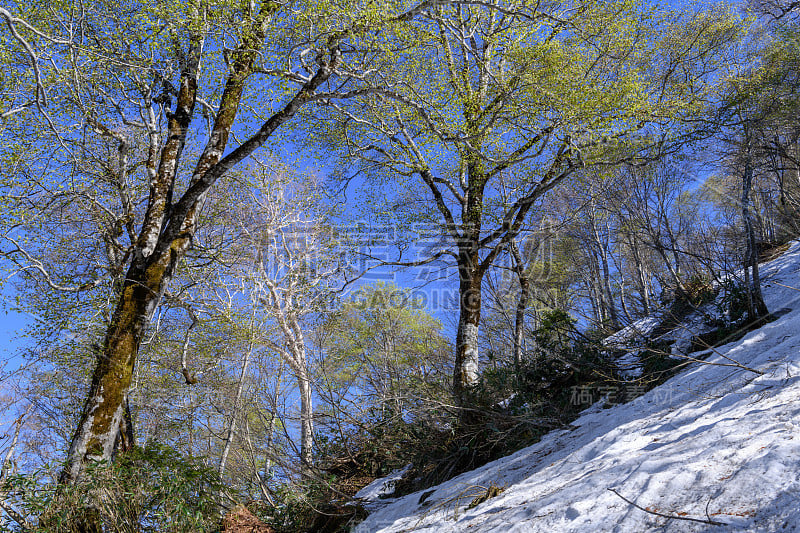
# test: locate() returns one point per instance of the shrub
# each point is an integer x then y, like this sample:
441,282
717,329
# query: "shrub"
657,364
347,458
733,303
312,505
699,290
146,489
511,407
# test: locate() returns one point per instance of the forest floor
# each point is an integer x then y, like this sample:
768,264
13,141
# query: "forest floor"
712,445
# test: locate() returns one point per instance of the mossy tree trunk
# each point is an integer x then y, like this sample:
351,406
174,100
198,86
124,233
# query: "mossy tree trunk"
168,227
470,269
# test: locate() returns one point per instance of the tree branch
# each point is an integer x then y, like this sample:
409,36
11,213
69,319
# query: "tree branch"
676,517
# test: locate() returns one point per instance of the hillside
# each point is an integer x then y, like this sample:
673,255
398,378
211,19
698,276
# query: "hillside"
714,443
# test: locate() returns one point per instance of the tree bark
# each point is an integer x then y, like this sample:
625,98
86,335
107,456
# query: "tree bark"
641,277
522,303
606,287
295,356
105,405
467,361
229,434
471,269
604,274
306,421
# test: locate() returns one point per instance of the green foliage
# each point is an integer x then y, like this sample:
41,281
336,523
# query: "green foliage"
564,360
383,442
733,302
386,354
146,489
346,462
698,290
384,375
554,330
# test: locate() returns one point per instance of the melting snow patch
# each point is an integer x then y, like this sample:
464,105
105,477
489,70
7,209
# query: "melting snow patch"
374,496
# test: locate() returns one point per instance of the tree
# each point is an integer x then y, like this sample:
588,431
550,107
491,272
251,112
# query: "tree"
778,10
656,209
382,350
756,96
292,256
132,80
771,94
523,93
756,308
383,364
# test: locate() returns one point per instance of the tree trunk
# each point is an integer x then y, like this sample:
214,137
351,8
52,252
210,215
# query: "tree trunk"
680,288
470,270
295,357
268,463
623,302
595,306
642,278
126,439
519,320
168,228
606,288
522,304
604,281
306,421
467,365
104,408
597,288
235,411
756,306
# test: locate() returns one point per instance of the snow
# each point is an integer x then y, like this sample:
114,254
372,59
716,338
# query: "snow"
714,442
631,337
372,497
642,328
630,341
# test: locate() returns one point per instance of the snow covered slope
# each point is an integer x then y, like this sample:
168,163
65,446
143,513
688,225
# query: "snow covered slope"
714,442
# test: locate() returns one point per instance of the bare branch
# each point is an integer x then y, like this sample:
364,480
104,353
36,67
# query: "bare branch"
35,264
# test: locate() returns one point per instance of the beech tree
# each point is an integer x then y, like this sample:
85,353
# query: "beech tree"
383,365
163,87
521,93
778,10
382,352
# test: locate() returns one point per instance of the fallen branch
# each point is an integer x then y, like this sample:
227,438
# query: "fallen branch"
733,362
676,517
786,286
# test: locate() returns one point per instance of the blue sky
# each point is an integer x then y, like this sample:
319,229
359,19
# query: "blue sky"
12,323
